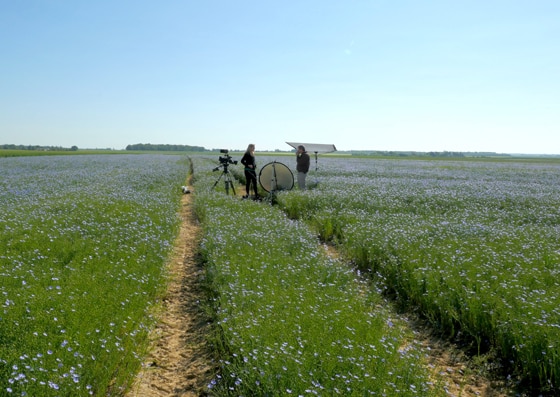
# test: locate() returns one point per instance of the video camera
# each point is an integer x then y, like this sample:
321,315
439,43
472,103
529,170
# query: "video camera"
225,160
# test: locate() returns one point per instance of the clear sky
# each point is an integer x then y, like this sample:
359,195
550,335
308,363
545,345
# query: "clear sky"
433,75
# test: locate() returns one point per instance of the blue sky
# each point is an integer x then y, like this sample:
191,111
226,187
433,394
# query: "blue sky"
377,75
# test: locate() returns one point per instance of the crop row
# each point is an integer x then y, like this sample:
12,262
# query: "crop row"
474,246
83,244
289,319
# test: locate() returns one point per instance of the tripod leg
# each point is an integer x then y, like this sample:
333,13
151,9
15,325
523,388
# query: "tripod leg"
229,183
217,180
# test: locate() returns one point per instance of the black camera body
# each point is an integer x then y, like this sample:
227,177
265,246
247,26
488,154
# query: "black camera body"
225,160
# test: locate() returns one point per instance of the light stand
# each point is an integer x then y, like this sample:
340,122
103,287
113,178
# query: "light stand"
316,180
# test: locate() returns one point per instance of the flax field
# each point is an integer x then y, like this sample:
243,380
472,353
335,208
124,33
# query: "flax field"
472,246
83,243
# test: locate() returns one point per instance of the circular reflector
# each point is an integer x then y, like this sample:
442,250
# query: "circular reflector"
276,176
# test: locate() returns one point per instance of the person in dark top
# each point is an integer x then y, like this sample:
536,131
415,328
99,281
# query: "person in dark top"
302,166
248,160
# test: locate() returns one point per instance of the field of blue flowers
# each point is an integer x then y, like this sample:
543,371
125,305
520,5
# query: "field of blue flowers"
288,318
83,243
471,245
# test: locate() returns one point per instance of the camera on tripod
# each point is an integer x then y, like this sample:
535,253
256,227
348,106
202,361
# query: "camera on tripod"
225,160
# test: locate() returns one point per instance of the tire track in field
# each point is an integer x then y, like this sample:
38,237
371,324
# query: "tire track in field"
446,362
179,361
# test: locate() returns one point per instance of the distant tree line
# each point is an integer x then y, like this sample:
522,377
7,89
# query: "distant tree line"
39,148
446,154
163,148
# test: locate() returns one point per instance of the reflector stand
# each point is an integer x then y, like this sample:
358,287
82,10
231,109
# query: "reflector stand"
274,177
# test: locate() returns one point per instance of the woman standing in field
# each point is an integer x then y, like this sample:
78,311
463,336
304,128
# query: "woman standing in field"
248,160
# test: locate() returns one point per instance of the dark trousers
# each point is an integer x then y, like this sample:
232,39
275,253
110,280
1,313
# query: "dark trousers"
251,179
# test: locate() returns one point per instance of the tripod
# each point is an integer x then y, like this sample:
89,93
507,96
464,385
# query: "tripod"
228,182
316,180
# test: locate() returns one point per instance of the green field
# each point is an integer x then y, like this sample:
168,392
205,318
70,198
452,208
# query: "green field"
472,246
83,243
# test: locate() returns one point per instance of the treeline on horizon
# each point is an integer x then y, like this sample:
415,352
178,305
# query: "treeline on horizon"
136,147
38,147
165,147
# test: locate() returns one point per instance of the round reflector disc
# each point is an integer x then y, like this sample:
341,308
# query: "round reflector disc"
276,176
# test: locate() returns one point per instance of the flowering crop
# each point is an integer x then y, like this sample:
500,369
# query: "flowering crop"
290,320
83,241
474,244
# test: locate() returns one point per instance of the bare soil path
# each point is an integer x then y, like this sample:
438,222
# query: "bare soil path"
179,362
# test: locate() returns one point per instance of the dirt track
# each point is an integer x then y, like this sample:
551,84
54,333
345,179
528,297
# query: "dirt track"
179,362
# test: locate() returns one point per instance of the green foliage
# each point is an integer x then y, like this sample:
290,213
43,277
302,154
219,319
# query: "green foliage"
288,318
472,246
164,147
83,241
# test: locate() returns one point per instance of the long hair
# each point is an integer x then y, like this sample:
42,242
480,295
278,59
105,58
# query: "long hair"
250,149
